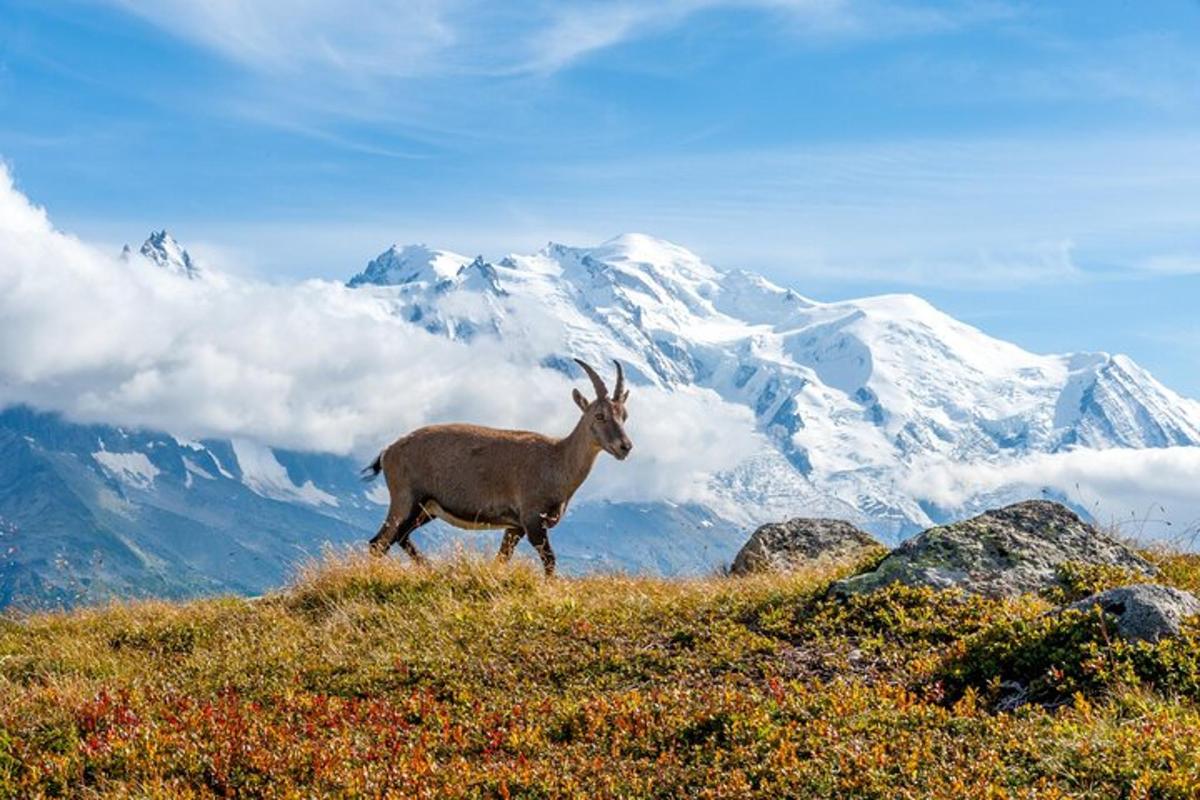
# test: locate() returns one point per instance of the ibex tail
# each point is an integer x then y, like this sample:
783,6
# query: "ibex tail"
372,470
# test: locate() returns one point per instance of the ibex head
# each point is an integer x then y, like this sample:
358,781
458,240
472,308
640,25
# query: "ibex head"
606,415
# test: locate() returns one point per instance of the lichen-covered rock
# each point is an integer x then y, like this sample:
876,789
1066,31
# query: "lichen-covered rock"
1145,611
783,546
1000,553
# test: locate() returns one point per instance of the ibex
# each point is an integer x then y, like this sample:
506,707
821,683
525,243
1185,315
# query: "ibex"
484,478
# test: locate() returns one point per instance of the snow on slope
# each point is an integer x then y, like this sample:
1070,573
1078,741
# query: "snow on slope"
263,473
850,394
134,469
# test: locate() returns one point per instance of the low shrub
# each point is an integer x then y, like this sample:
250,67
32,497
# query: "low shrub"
370,678
1050,658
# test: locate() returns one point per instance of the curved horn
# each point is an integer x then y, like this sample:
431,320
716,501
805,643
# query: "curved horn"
620,387
597,384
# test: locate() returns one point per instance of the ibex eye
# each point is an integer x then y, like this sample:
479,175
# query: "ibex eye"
600,417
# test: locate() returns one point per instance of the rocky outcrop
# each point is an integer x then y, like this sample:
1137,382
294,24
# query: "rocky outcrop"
784,546
1000,553
1145,611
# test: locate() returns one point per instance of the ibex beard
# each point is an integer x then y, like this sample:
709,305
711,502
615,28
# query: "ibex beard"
479,478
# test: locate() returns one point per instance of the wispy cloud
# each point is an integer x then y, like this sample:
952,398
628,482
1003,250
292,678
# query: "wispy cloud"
975,212
1172,264
401,38
395,38
1157,71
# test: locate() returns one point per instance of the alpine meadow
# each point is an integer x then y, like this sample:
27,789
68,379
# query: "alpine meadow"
697,399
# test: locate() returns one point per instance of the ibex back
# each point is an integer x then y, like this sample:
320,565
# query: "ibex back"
484,478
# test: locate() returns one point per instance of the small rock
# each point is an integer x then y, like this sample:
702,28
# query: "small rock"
784,546
1145,611
1000,553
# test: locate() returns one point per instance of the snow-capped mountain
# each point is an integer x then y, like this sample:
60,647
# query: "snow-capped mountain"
161,250
851,394
851,400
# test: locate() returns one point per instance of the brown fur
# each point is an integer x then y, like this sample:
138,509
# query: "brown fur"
477,477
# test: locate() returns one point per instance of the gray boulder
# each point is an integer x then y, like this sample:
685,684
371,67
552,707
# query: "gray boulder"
1000,553
1145,611
783,546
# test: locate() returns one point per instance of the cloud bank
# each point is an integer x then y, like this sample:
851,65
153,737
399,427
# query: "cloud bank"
1144,493
313,366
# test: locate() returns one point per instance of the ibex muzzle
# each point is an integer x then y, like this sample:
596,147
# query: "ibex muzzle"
474,477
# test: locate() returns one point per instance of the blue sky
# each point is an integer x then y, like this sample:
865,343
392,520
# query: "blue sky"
1032,168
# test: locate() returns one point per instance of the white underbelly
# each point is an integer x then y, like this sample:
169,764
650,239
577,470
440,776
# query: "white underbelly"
434,509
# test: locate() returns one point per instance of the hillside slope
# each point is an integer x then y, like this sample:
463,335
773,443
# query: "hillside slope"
370,679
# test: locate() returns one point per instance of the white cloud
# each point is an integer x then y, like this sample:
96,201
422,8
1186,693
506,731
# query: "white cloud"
1138,490
313,366
694,421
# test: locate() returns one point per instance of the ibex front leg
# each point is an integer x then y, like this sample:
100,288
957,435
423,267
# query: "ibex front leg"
511,537
539,537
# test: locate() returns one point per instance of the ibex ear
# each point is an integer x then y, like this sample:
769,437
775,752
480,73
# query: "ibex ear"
579,399
624,396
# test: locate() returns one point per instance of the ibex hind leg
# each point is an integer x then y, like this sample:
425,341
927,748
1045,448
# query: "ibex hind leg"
400,514
404,535
382,540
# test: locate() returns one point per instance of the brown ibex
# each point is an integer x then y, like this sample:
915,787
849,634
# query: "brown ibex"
483,478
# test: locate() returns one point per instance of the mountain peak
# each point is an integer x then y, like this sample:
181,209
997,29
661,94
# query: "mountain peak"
410,263
900,305
163,251
646,249
636,262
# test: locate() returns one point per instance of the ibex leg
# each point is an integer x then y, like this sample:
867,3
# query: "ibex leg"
512,536
540,540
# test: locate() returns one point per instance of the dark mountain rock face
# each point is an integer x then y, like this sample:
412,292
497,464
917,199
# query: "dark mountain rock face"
76,528
1000,553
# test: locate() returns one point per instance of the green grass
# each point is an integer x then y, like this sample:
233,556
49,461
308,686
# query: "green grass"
371,678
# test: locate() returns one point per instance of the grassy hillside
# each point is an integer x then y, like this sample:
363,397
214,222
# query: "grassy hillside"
369,678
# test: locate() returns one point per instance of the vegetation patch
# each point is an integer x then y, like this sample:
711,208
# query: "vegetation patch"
1050,658
373,678
1077,580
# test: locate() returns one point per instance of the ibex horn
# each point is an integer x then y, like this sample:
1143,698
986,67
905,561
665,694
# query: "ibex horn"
617,392
597,384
